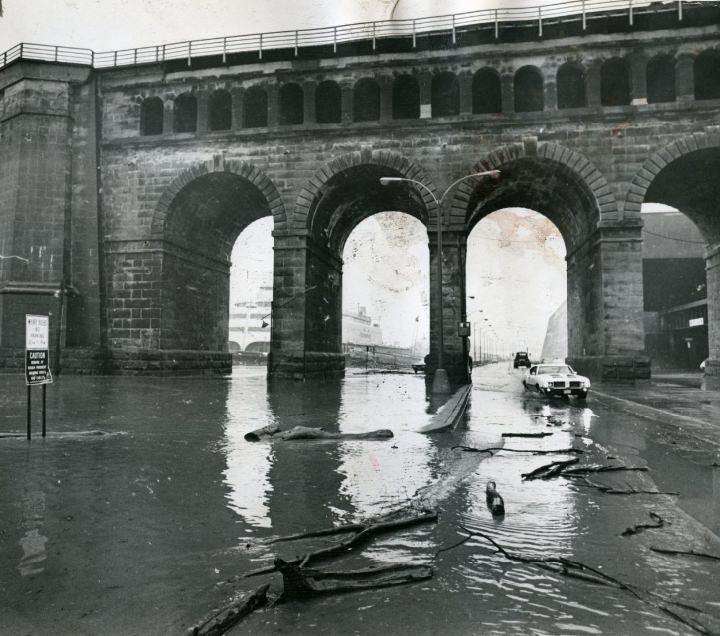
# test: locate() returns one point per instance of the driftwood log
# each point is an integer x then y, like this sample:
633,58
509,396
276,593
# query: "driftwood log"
303,581
309,433
230,615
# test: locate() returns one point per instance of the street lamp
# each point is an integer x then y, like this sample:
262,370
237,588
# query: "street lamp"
440,384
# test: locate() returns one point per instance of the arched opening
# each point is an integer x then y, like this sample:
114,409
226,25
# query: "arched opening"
328,103
255,108
571,86
486,92
291,110
366,100
680,270
615,82
564,199
528,90
406,98
385,292
202,224
707,75
661,79
342,204
251,292
445,95
220,110
151,116
185,113
516,282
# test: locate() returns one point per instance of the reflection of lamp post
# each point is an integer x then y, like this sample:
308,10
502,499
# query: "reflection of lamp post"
440,384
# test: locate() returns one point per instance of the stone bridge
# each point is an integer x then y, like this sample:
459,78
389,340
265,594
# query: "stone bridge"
123,187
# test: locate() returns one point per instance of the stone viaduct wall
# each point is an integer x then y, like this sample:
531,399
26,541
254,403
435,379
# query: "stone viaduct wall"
127,187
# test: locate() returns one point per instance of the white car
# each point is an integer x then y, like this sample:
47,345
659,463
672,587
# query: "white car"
556,380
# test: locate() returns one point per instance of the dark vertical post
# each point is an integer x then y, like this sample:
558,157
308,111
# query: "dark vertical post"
28,411
43,409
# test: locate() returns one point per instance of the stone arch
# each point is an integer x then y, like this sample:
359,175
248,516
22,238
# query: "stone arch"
641,182
218,164
597,186
393,164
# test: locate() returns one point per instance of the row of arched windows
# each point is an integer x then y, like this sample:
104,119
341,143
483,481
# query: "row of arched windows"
528,95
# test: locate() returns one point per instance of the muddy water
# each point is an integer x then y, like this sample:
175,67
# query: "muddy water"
138,531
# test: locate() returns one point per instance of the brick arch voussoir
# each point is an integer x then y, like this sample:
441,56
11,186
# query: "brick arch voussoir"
575,161
247,171
660,159
396,162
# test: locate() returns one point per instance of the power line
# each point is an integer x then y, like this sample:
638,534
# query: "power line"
672,238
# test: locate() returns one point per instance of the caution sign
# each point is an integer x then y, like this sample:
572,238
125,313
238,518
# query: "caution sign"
37,354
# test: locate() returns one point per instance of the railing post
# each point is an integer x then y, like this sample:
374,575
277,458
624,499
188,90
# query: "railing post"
453,28
296,43
584,17
163,52
414,37
5,58
134,56
21,50
630,12
680,17
190,53
335,39
373,38
92,58
157,53
260,48
56,54
224,57
114,58
497,29
540,21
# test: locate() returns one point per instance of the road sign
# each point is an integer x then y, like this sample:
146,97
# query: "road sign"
37,350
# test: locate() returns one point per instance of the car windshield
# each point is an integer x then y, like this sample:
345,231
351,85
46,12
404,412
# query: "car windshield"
555,368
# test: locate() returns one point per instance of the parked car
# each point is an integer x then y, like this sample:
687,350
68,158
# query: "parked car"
522,359
556,380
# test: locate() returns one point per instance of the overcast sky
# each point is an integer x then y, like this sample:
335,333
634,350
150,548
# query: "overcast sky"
114,24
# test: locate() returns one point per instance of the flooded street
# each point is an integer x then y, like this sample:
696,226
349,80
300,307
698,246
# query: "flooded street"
144,530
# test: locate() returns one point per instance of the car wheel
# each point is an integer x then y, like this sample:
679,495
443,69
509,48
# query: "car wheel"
537,388
582,396
525,385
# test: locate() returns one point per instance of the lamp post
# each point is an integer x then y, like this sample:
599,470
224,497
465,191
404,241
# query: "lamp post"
441,383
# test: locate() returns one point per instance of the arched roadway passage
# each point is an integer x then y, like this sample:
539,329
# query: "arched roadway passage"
307,306
604,261
177,297
684,176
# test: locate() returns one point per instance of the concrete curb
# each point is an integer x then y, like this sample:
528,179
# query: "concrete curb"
451,412
694,425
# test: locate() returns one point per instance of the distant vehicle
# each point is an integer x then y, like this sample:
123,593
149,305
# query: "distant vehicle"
522,359
559,380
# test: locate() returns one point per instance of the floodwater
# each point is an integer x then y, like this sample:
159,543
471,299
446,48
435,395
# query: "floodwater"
147,529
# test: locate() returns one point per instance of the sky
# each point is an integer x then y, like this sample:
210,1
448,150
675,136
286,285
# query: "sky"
105,25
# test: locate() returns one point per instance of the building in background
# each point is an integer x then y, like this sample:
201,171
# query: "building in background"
555,345
675,292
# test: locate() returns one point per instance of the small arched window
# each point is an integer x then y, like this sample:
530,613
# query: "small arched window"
220,110
707,75
486,92
528,90
406,97
151,116
255,108
328,103
445,95
571,86
366,100
291,105
185,111
661,79
615,82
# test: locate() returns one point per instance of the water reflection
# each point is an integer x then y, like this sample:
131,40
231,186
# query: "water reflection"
33,542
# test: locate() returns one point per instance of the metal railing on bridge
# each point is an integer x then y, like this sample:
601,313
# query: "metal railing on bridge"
538,17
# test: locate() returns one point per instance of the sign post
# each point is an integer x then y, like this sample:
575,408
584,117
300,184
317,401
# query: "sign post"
37,360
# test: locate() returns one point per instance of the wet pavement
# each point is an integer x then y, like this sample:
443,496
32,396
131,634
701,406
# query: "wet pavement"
145,530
